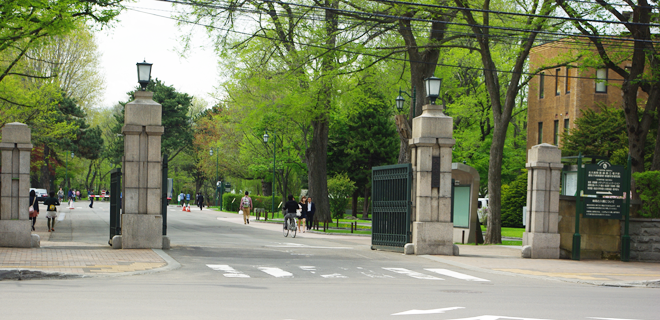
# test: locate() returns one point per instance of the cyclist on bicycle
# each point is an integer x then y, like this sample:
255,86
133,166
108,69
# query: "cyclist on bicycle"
290,208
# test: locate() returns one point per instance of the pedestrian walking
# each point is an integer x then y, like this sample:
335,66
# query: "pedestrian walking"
69,196
34,208
311,209
91,198
188,198
246,206
181,197
302,215
200,201
51,210
60,195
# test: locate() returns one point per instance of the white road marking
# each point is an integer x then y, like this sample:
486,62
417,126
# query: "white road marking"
610,318
372,274
299,245
230,272
334,275
61,216
456,275
413,274
488,317
432,311
311,269
276,272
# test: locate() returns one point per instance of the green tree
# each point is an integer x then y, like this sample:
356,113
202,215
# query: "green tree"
363,138
176,119
340,187
514,197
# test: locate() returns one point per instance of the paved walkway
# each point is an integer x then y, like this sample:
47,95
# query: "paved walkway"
78,247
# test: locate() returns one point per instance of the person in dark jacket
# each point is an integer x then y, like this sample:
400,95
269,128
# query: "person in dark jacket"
303,214
311,209
51,204
290,208
35,205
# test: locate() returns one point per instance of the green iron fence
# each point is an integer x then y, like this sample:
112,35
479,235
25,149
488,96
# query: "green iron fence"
390,196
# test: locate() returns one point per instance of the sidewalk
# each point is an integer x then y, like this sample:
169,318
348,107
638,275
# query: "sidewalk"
79,248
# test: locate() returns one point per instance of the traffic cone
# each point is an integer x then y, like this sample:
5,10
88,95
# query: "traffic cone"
188,210
184,208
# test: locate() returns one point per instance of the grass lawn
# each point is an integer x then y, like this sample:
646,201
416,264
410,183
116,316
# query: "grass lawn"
508,232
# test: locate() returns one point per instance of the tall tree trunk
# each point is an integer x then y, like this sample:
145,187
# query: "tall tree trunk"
354,203
266,188
365,205
317,154
45,172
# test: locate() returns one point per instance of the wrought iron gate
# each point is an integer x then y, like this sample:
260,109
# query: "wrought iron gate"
115,203
391,205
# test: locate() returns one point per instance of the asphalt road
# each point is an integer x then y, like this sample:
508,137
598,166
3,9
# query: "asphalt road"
232,271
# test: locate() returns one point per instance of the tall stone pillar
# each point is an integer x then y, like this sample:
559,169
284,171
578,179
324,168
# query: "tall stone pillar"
431,145
142,222
15,226
541,236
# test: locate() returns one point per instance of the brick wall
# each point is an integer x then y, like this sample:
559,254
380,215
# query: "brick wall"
644,239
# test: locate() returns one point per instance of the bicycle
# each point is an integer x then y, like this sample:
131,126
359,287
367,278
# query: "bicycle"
289,225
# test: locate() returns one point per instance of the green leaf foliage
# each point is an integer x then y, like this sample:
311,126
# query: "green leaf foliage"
340,188
648,187
514,197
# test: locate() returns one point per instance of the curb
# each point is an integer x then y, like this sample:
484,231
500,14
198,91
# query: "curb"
171,265
619,284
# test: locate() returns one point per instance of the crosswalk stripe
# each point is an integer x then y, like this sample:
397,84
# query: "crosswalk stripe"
334,275
229,271
456,275
414,274
276,272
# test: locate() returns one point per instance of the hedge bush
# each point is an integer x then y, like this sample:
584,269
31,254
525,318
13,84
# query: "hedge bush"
647,185
257,202
514,197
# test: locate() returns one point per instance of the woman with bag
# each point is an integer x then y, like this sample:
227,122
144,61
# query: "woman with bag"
34,208
246,206
302,214
51,210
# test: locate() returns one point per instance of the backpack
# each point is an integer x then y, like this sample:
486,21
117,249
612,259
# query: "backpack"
51,207
246,202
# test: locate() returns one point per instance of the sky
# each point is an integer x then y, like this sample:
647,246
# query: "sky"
139,36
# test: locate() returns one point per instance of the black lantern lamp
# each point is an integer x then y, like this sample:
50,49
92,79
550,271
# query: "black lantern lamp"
432,85
144,73
399,101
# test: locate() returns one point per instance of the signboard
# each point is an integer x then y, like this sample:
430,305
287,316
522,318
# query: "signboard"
604,179
602,208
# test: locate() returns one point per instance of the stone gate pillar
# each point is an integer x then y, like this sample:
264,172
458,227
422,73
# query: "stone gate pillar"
142,222
541,236
15,226
431,145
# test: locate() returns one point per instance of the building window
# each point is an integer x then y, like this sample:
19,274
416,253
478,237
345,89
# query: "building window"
541,84
568,79
540,136
555,140
566,126
557,92
601,78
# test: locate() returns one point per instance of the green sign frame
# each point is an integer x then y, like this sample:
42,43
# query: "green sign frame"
597,184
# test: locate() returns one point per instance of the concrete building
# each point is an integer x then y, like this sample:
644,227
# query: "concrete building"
558,95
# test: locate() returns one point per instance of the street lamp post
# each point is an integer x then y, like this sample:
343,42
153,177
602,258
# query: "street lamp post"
217,154
432,88
66,175
272,183
400,100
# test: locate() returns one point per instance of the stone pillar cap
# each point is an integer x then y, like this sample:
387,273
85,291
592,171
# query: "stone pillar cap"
16,132
544,152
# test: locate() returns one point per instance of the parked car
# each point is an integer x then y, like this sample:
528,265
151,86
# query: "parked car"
42,194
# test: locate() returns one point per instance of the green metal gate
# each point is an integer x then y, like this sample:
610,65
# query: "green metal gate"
391,205
115,203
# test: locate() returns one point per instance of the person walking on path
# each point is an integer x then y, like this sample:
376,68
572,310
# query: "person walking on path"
34,204
91,198
181,198
246,206
200,201
188,199
311,209
303,214
51,210
78,194
60,195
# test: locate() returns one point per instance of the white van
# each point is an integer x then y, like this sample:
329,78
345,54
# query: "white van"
482,208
